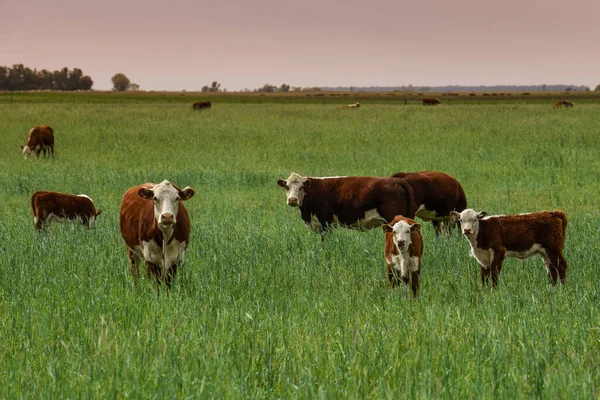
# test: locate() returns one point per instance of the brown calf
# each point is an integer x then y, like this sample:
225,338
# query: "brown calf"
495,238
201,105
430,101
48,206
403,252
40,139
563,103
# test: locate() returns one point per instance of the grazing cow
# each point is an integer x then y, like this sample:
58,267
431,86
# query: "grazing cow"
49,206
359,202
403,251
355,105
563,103
40,139
201,105
156,227
435,195
430,101
495,238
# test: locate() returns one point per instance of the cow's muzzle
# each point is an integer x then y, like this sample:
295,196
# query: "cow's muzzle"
467,231
293,202
167,219
401,244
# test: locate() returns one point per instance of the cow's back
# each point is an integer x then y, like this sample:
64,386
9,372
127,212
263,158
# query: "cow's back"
436,190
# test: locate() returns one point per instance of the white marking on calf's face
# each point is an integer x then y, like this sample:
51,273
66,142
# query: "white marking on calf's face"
402,234
166,202
294,187
469,221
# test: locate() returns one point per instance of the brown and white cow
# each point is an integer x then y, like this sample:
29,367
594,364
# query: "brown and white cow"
360,202
563,103
430,101
403,252
53,206
39,139
435,195
156,227
495,238
355,105
201,105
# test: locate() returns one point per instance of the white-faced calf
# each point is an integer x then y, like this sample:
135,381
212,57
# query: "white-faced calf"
403,251
495,238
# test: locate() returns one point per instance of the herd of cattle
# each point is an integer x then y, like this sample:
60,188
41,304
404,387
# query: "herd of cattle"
155,225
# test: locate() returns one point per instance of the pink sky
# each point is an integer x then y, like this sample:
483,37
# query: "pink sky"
185,44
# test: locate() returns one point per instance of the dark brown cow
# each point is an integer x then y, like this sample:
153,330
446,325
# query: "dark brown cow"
430,101
563,103
403,251
435,195
360,202
495,238
40,139
49,206
156,227
201,105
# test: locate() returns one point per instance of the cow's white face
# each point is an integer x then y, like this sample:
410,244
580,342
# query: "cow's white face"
295,189
26,152
166,202
469,221
402,233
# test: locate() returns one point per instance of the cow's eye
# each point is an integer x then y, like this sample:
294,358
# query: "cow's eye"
154,198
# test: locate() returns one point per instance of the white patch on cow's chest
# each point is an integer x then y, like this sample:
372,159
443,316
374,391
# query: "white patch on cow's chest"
426,215
153,252
405,264
484,257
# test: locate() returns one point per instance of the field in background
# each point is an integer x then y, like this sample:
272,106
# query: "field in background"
262,307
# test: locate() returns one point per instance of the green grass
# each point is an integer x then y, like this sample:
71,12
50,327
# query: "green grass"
262,307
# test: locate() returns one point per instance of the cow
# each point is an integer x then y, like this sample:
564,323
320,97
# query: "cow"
430,101
156,227
495,238
355,105
403,251
359,202
435,195
40,139
563,103
50,206
201,105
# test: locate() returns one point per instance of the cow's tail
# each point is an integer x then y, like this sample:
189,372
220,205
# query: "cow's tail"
410,211
33,203
563,218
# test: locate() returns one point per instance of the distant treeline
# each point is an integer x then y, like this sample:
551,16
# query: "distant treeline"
462,89
19,77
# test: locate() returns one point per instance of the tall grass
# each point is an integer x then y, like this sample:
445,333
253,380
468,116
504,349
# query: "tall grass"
262,307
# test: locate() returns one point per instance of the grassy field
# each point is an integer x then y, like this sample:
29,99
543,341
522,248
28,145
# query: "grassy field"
262,307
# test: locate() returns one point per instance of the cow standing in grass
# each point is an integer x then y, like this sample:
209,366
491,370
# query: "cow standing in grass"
53,206
495,238
40,139
201,105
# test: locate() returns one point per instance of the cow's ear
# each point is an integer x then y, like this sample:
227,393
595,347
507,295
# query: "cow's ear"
146,193
306,182
455,215
481,214
415,227
387,228
186,193
22,147
282,183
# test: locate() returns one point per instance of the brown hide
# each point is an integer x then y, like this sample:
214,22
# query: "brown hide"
201,105
62,205
41,138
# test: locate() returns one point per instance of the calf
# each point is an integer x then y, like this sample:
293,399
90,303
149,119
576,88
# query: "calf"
435,195
361,202
563,103
403,251
156,227
49,206
495,238
428,101
201,105
355,105
39,139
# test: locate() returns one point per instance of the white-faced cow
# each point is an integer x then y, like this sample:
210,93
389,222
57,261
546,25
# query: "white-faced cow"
39,139
403,252
156,227
355,105
53,206
495,238
435,195
360,202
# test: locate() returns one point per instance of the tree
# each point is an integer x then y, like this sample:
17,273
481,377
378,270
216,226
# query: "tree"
597,89
120,82
284,88
134,87
214,87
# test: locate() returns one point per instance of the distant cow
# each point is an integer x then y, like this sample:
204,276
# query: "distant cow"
495,238
430,101
40,139
156,227
435,195
53,206
563,103
359,202
355,105
403,251
201,105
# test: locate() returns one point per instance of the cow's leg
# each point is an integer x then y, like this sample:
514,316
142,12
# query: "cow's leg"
393,276
39,221
556,265
414,280
562,267
171,273
485,274
52,150
134,268
497,266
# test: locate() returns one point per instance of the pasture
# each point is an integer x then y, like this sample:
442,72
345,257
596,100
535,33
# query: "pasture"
261,307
